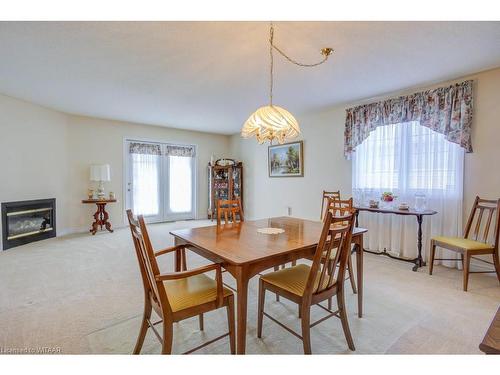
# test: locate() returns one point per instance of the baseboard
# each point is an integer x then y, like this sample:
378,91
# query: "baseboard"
81,230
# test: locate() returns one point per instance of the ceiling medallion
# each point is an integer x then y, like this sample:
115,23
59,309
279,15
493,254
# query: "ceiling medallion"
270,122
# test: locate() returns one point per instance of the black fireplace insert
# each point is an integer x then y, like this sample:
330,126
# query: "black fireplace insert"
28,221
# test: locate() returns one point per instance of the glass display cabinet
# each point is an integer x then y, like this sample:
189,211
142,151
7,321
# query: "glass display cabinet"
225,181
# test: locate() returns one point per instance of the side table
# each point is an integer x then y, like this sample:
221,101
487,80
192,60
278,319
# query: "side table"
101,216
418,261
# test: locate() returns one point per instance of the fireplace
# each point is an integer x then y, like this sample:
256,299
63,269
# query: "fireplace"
28,221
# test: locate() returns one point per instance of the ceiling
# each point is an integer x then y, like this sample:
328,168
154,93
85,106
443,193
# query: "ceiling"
211,76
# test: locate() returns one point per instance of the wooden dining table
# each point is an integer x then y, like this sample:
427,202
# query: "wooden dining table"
244,252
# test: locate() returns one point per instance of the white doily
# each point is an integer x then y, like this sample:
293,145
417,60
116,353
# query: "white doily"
270,230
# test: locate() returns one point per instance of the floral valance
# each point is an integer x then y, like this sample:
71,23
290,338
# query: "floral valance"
144,148
176,150
446,110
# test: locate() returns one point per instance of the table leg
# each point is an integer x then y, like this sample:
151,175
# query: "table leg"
420,262
241,311
359,270
95,224
177,256
105,221
101,219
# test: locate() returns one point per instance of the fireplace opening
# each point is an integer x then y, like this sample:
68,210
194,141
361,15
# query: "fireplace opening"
27,221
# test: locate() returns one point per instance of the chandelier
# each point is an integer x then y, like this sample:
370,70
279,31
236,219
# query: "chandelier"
270,122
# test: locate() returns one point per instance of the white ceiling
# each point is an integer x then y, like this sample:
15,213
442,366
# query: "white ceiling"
211,76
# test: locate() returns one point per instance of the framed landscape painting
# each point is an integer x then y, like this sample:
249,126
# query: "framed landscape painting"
286,160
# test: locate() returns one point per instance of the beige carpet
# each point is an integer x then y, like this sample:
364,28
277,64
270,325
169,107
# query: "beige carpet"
83,294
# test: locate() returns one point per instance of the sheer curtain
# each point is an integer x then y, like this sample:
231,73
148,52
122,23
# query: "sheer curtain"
145,170
407,159
180,183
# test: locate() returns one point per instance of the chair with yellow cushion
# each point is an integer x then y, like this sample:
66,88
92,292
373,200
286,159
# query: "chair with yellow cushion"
477,244
340,207
309,285
176,296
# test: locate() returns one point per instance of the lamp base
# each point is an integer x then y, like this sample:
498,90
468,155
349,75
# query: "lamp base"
100,191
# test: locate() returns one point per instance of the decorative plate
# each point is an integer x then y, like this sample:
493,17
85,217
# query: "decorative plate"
270,230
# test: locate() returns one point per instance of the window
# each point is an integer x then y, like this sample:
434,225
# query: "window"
407,158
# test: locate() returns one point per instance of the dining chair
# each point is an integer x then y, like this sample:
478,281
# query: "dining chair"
325,197
230,210
177,296
339,207
476,245
309,285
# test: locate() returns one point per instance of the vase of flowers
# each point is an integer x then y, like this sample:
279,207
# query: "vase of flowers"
387,196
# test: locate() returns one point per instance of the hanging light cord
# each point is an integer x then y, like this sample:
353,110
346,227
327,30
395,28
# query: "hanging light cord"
326,52
271,37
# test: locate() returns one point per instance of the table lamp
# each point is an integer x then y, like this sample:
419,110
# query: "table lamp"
100,173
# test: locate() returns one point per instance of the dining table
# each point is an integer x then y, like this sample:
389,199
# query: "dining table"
244,251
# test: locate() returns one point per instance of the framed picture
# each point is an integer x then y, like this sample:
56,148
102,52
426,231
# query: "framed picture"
286,160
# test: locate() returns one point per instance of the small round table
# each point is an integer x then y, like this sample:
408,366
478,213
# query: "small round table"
101,216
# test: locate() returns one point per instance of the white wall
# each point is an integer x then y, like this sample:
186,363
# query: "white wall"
33,155
96,141
326,168
45,154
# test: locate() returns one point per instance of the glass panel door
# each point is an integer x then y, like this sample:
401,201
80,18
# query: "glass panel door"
160,187
180,200
144,185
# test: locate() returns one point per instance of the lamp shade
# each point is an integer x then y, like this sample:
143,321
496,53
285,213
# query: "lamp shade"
271,123
100,172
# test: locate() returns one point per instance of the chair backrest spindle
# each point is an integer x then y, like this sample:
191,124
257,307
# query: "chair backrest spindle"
230,210
339,207
335,236
492,206
327,195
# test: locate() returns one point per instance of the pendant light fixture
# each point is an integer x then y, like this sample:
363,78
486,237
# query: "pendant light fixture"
270,122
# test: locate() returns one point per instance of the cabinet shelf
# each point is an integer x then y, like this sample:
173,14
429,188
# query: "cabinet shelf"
224,182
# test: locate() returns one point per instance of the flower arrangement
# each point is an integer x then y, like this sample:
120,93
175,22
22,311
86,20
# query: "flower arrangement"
387,196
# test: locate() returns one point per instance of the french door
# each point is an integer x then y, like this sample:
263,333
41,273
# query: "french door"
160,180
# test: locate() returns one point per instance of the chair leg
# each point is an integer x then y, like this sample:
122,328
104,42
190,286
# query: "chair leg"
260,313
496,262
168,333
466,270
277,268
306,328
343,318
200,317
351,274
144,327
231,324
184,261
432,256
330,303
